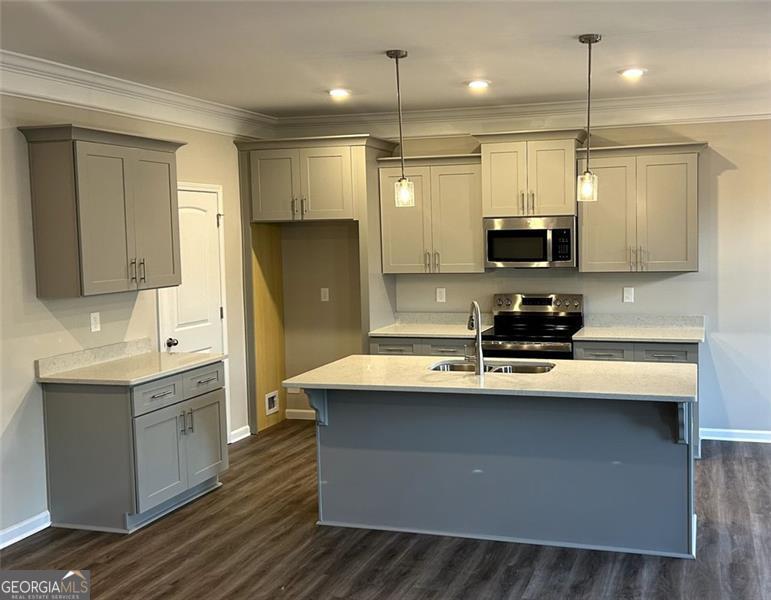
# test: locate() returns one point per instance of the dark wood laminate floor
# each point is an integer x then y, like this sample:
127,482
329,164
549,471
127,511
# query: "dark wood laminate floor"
256,538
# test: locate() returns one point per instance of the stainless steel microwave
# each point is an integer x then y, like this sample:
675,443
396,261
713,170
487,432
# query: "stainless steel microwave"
530,242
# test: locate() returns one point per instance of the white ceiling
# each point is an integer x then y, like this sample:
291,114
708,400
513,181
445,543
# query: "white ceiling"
279,58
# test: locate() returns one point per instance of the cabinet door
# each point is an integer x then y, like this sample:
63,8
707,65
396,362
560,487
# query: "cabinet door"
406,232
326,183
156,219
456,219
667,214
504,179
608,227
161,464
551,177
105,217
275,185
206,439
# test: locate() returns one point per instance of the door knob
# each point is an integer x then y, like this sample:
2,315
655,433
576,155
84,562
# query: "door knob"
172,342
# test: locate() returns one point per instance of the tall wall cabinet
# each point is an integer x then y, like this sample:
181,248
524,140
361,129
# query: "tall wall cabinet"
646,217
104,209
442,233
530,173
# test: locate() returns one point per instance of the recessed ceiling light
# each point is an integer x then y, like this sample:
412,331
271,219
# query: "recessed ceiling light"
632,73
339,93
479,85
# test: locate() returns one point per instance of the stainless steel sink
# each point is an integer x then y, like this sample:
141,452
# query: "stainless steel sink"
494,367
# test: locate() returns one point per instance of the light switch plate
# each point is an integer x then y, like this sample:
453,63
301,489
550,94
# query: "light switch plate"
628,294
96,322
441,294
325,294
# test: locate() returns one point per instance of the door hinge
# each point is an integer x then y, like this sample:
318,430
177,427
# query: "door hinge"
222,312
219,218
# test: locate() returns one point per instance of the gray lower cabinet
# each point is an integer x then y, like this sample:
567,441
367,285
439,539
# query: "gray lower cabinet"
119,457
420,346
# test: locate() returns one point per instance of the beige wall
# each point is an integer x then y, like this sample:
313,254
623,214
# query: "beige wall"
732,287
31,328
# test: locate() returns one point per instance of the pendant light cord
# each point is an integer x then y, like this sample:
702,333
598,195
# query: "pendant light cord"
589,107
399,105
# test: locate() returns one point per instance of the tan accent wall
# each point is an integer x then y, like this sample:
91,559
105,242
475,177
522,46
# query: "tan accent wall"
268,297
316,255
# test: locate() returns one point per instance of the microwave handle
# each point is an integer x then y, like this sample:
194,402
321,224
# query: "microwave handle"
549,249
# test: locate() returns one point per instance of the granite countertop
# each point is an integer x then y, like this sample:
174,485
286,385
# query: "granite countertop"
642,328
664,382
123,364
430,325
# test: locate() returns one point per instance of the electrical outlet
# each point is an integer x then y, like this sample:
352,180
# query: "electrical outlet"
325,294
96,322
628,294
271,402
441,294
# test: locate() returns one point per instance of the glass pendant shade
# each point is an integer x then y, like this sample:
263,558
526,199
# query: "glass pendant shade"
405,193
587,187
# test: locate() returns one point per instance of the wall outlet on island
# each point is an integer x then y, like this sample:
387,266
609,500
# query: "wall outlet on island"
441,294
325,294
96,322
628,294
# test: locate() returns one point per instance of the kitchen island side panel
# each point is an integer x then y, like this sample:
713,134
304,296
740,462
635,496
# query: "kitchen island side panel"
577,472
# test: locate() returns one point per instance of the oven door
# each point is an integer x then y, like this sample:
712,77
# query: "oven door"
512,349
530,242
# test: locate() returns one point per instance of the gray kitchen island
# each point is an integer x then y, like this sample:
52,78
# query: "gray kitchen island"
586,454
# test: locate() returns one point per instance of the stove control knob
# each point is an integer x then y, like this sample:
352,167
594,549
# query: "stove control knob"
499,302
559,303
508,301
576,304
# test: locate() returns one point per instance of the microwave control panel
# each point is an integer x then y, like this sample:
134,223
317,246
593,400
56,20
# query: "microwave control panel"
561,243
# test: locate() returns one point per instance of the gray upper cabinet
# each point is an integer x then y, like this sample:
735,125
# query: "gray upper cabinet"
104,209
442,233
646,217
310,181
529,173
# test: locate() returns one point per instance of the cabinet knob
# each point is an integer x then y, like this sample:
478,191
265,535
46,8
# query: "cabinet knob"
171,342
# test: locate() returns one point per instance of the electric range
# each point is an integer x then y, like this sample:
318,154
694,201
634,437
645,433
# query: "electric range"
533,325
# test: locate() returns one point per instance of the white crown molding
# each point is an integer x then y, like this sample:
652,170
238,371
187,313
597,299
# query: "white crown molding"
606,112
39,79
36,78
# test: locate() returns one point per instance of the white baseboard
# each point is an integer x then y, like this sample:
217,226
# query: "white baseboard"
239,434
307,414
15,533
736,435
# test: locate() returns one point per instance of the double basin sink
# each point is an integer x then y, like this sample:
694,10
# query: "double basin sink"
494,367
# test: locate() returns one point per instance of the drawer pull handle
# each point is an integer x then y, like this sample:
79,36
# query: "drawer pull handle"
162,394
208,380
603,354
393,349
675,356
448,350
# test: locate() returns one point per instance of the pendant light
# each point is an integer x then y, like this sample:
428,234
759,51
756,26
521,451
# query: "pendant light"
404,189
587,182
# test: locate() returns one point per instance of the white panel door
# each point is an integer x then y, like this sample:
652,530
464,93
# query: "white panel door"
190,313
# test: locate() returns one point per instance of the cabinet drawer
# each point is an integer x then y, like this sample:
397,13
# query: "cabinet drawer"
395,346
603,351
448,347
202,380
153,395
663,352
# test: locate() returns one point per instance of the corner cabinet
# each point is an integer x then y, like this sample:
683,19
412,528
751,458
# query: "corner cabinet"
442,233
646,216
529,173
303,179
104,208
